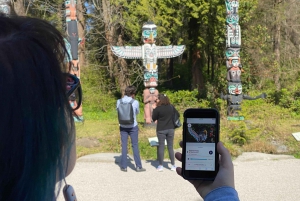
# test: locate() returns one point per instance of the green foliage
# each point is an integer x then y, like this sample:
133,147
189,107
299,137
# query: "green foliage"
163,13
183,98
241,134
146,151
52,11
297,155
96,96
286,98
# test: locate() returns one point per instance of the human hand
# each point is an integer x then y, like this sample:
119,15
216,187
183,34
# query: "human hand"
225,176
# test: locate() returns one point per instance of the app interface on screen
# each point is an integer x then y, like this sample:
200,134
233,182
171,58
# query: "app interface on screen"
200,144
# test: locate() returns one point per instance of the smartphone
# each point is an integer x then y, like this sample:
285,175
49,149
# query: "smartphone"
201,131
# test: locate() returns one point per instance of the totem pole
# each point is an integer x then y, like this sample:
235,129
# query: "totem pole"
72,43
233,63
149,53
5,7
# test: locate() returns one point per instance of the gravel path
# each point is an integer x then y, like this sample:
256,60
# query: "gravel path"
259,177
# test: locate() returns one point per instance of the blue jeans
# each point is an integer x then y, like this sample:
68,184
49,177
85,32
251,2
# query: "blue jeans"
133,133
169,136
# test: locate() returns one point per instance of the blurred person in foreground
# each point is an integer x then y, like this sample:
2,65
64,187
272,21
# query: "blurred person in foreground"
222,188
37,133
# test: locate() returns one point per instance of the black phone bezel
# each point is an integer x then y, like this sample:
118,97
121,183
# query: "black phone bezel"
200,113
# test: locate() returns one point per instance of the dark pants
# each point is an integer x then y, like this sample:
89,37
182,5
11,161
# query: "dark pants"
133,133
169,136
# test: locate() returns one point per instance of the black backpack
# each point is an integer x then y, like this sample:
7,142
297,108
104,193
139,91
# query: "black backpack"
125,113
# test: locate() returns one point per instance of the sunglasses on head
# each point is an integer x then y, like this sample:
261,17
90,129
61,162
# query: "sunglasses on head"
74,91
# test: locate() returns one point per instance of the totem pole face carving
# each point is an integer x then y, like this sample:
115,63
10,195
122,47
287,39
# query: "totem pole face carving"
149,33
232,6
235,88
5,7
233,63
234,74
233,53
150,79
232,19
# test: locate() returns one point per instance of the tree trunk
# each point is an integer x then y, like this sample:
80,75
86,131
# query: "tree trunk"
197,73
170,72
213,66
119,74
109,32
123,73
19,7
277,29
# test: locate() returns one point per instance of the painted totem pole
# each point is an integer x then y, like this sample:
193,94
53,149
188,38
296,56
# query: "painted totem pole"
72,43
149,53
5,7
233,63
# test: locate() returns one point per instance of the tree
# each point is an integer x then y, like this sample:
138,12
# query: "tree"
19,7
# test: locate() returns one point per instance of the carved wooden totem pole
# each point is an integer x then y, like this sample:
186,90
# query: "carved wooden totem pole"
5,7
149,53
233,63
72,43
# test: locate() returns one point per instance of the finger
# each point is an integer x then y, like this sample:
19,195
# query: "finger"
178,156
225,155
180,144
179,171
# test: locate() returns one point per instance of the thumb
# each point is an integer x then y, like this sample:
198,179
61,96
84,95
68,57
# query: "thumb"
225,155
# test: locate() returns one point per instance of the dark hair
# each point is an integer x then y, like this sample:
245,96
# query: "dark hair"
36,123
130,90
163,100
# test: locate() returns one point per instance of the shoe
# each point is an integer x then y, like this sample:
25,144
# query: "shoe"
160,168
140,169
124,169
173,168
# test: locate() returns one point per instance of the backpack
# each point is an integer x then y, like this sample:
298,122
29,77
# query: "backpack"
125,113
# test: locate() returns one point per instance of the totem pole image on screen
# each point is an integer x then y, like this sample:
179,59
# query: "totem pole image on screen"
149,53
235,94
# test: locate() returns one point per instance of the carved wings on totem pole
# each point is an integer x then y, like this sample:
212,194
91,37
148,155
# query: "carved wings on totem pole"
149,53
138,52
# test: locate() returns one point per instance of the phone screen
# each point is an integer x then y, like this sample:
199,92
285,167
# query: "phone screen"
200,138
200,144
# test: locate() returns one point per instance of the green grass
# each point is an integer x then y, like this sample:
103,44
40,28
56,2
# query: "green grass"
264,129
107,133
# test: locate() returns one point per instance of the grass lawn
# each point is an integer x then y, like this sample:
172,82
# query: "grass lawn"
266,129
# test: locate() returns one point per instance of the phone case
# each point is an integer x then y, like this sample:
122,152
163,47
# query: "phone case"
200,127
